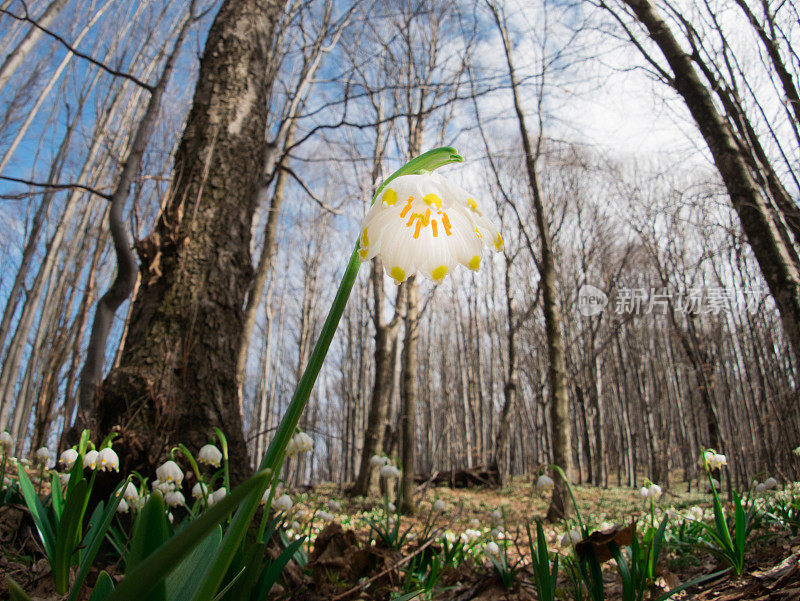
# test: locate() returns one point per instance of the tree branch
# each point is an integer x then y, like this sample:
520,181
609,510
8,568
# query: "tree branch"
57,186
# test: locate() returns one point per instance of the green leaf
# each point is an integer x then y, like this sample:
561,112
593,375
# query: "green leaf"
409,596
692,583
99,523
252,561
142,579
149,534
69,529
182,582
38,513
15,590
103,588
56,496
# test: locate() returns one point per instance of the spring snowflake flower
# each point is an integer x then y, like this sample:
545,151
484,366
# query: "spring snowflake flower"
164,487
439,505
131,494
497,515
108,460
123,506
655,491
6,440
174,498
492,548
389,471
428,224
475,523
570,538
90,460
210,455
218,495
170,473
42,455
325,516
378,460
760,486
644,492
334,505
391,507
67,459
714,482
771,483
545,483
282,503
469,535
300,443
714,460
199,490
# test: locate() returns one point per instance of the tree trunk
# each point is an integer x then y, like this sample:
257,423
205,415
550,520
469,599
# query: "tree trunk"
177,375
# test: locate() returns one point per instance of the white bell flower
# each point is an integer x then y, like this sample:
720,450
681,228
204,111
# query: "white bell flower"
334,505
218,495
282,503
570,538
131,493
644,492
771,483
389,471
545,483
760,486
67,459
164,487
391,507
378,460
425,223
6,440
108,460
325,516
439,505
123,506
654,491
210,455
492,548
199,490
170,472
174,498
300,443
42,455
475,523
90,460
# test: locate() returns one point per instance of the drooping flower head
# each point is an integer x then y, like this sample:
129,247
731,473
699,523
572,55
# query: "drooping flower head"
545,483
131,494
67,459
42,455
90,459
282,503
299,444
389,472
6,440
428,224
169,472
210,455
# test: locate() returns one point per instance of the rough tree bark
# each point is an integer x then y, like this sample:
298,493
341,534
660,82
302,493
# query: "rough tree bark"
177,375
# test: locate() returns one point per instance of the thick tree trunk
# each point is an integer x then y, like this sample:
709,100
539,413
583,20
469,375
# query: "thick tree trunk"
766,233
177,375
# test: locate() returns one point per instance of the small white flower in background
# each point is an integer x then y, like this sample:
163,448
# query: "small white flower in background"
300,443
6,440
475,523
654,491
169,473
391,507
470,535
90,460
570,538
389,471
64,480
42,455
67,459
295,525
209,455
199,490
450,536
754,483
334,505
378,460
605,526
713,482
492,548
131,493
796,451
264,497
760,487
644,492
545,483
218,495
497,515
123,506
439,505
325,516
428,224
282,503
715,460
170,517
771,483
108,460
174,498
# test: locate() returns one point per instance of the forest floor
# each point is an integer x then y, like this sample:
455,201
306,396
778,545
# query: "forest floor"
344,565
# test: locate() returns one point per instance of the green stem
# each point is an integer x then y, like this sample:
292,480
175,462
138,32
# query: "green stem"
571,496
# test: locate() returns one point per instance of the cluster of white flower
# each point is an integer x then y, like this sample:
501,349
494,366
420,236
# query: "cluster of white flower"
492,548
768,484
299,444
653,491
469,535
